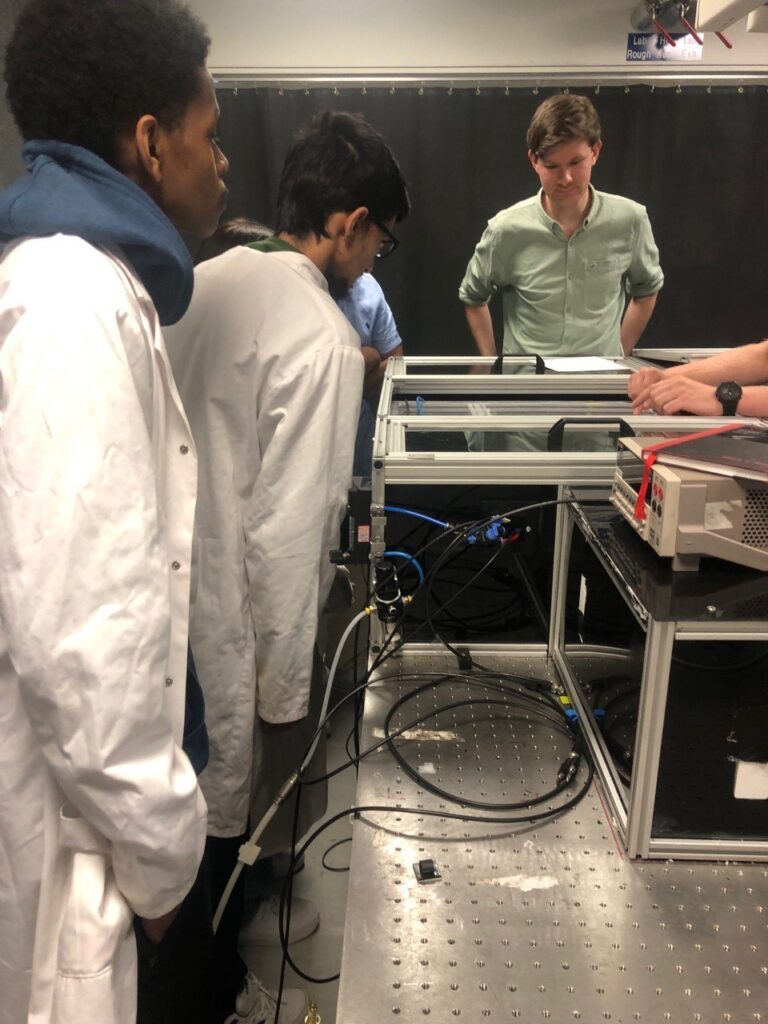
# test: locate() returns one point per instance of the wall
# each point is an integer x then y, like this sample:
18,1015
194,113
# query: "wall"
445,38
558,39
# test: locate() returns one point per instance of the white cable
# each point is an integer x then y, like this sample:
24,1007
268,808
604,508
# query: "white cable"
249,851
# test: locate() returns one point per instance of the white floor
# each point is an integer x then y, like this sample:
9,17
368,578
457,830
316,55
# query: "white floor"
320,954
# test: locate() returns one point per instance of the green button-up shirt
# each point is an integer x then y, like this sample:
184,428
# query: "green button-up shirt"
564,296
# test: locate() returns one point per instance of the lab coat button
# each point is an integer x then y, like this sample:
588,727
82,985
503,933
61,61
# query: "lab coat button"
184,449
169,681
175,565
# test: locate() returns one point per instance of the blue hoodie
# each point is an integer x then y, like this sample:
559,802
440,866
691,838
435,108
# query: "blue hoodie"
71,191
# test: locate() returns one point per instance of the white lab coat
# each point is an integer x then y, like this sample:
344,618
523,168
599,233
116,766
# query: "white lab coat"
270,373
100,813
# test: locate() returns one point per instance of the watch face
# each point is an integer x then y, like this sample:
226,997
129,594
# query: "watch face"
728,394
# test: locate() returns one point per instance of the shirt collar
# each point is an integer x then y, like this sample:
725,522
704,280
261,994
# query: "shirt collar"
551,225
293,257
302,264
273,244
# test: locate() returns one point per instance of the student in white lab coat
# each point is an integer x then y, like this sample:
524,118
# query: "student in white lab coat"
101,817
271,374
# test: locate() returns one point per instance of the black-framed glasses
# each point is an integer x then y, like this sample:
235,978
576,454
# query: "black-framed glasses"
389,244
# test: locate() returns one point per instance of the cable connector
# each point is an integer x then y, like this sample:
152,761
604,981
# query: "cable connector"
464,659
248,853
498,530
313,1014
386,591
371,609
569,767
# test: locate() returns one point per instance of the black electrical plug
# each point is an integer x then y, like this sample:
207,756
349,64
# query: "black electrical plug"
569,767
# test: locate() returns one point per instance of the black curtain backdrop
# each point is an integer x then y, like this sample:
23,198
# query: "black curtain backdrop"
697,159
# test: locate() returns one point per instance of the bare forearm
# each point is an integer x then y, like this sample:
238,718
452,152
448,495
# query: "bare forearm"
671,395
371,358
481,326
636,317
753,402
375,376
747,364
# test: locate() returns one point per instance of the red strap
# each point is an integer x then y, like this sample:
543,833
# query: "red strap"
648,461
650,454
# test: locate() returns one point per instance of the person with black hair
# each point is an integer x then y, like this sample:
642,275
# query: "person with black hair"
271,375
102,817
366,308
237,231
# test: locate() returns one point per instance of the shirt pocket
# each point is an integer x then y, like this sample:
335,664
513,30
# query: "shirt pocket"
601,282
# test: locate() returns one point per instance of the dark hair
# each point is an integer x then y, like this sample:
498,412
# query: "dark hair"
84,71
336,165
562,119
238,231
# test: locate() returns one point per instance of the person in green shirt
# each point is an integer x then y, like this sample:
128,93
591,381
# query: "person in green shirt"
566,260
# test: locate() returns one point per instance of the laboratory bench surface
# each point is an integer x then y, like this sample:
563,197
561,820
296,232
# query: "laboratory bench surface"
543,922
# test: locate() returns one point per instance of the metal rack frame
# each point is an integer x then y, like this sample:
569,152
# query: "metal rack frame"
633,811
394,465
550,921
399,382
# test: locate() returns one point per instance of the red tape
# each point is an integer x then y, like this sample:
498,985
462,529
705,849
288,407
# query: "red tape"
648,461
650,454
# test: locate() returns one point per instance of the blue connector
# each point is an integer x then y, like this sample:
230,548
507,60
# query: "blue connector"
497,530
571,714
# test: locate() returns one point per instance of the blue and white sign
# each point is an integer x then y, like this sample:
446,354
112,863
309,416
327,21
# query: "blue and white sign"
646,46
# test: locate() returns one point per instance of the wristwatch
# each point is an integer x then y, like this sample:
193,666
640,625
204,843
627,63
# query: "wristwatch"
729,395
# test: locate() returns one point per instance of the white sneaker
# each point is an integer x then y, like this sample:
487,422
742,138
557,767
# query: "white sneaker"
257,1005
263,929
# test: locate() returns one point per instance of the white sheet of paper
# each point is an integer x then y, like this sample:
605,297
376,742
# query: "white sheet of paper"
751,781
584,364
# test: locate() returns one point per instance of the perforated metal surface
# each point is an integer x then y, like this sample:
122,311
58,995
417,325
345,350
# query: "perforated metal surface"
545,922
755,530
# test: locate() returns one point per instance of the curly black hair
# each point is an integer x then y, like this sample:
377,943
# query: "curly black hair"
84,71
